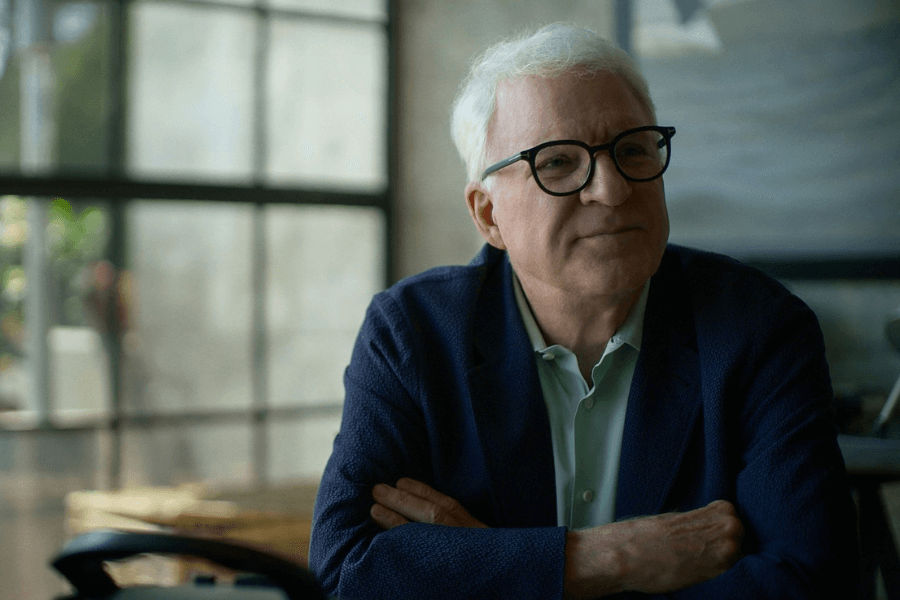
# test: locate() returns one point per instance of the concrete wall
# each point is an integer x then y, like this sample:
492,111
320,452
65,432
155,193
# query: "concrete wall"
438,39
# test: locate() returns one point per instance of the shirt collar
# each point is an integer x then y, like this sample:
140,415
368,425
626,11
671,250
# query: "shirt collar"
629,333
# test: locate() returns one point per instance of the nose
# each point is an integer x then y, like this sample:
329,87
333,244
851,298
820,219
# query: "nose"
607,185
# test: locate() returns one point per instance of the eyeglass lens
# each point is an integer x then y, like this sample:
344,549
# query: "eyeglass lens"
563,168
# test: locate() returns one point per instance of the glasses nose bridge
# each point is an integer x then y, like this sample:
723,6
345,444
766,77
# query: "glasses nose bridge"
593,151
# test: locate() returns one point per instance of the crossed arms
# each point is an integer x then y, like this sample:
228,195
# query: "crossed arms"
656,554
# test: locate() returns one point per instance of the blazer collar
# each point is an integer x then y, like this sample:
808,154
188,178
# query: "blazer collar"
508,406
664,402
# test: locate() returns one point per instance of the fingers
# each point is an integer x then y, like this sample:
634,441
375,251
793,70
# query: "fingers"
405,503
385,517
442,502
413,500
422,490
721,506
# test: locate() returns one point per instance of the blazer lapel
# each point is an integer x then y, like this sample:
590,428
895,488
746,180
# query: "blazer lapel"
508,407
664,402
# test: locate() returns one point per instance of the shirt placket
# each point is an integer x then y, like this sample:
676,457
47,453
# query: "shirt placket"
590,423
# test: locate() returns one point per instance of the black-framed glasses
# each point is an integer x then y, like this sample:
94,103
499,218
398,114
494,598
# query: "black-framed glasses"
566,167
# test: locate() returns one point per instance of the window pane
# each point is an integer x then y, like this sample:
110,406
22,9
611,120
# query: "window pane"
176,455
86,308
364,9
79,372
55,109
190,346
79,287
300,449
191,93
326,98
14,374
324,266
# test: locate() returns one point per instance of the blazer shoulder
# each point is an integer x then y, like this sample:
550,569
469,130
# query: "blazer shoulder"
449,286
733,306
717,278
442,301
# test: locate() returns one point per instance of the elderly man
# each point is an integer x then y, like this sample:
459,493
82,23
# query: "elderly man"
583,410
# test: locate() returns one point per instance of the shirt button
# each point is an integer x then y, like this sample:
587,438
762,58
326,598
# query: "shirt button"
589,403
587,496
548,356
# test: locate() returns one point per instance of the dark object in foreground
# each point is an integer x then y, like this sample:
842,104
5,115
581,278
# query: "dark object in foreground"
81,562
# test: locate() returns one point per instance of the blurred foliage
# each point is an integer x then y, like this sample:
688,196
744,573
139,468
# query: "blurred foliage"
13,233
82,78
9,116
77,235
82,69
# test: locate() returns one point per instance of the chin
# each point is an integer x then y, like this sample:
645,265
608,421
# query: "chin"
623,274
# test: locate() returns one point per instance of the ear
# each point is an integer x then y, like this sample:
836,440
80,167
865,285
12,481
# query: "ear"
481,209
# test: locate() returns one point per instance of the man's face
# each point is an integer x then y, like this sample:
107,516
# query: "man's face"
606,239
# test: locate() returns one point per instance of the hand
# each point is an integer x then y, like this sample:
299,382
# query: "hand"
655,555
415,501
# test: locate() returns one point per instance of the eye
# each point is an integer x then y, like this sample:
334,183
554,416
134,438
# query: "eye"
557,161
632,150
560,160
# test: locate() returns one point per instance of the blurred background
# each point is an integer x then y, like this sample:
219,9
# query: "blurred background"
198,198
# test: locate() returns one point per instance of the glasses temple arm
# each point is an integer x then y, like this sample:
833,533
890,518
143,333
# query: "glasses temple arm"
667,136
503,163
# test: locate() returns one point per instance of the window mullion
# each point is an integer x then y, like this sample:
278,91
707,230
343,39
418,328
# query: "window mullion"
259,371
36,146
116,250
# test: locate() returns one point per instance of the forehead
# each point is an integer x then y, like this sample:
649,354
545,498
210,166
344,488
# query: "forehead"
577,105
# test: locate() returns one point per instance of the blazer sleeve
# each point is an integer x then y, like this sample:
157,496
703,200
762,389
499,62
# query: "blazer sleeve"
785,469
386,434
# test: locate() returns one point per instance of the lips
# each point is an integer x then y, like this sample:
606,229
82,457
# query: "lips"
612,231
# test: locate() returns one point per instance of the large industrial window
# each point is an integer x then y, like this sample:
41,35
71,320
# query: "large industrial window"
194,213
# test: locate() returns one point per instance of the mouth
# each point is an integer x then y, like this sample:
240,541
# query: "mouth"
612,232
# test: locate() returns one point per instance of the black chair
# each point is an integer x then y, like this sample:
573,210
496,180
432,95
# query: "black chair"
269,577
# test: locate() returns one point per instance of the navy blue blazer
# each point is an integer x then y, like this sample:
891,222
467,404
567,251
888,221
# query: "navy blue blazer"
730,400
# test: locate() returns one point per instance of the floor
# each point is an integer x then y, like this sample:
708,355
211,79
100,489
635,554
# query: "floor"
31,532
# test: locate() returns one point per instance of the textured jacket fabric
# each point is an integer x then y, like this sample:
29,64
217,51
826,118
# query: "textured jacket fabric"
730,400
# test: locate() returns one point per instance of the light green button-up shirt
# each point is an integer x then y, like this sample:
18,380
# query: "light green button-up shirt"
586,424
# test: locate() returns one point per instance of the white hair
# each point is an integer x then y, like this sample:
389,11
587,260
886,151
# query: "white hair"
550,52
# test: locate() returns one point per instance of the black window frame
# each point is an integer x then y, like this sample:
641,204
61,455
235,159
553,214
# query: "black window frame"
118,189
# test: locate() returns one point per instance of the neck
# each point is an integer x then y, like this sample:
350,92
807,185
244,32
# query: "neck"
583,323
